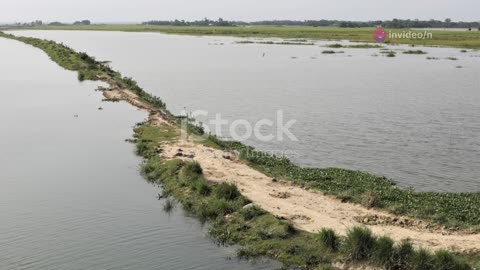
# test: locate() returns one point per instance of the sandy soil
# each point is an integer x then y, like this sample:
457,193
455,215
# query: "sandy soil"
308,209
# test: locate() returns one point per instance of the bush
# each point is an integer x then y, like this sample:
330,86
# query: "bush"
329,239
445,260
214,208
402,256
359,243
193,167
202,188
423,260
227,191
250,213
383,251
81,76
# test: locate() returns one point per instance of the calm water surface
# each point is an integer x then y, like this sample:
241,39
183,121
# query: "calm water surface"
409,118
71,196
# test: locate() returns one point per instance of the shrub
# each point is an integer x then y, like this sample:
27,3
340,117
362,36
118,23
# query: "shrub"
329,239
226,191
359,243
193,167
445,260
215,207
423,260
250,213
402,256
202,188
383,251
81,76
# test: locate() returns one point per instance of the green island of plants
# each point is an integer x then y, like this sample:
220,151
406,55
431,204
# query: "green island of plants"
233,220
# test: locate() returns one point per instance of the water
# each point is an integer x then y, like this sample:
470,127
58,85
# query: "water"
71,196
408,118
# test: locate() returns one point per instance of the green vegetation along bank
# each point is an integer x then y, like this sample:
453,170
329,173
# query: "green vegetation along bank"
233,220
451,38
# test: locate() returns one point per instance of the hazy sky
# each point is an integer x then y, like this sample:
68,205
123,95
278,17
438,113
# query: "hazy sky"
247,10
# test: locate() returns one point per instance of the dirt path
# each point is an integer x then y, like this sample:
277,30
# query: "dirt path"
311,210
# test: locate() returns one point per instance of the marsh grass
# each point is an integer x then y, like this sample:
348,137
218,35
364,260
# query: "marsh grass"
329,239
359,244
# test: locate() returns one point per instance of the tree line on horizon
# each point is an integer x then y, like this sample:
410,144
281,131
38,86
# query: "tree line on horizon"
395,23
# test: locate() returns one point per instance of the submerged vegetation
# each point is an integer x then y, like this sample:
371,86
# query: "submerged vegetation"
234,220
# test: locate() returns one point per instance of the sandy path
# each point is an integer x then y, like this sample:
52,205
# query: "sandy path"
307,209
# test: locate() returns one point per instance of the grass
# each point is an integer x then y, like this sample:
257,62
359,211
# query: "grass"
461,39
329,239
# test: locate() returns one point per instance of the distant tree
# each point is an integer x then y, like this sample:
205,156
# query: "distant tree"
84,22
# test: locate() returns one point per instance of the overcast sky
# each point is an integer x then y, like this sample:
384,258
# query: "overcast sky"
246,10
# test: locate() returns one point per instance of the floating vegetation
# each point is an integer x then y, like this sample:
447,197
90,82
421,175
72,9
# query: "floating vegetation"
355,46
414,52
336,45
463,51
452,58
432,58
168,205
331,52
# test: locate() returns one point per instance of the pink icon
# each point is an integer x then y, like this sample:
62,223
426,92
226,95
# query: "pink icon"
380,34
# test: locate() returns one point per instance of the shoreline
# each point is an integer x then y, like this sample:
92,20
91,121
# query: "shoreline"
161,147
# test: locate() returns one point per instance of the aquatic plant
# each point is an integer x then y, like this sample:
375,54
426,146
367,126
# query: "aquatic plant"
168,205
414,52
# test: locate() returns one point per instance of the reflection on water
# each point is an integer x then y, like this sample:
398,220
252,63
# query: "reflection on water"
409,118
71,196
